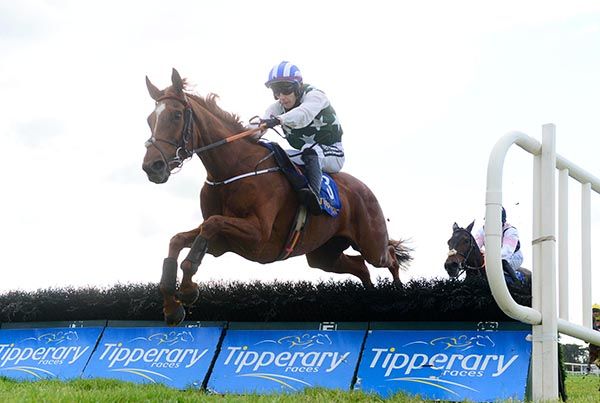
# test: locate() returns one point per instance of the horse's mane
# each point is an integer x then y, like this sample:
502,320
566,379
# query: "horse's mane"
210,104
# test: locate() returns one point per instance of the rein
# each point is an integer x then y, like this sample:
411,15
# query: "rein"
182,153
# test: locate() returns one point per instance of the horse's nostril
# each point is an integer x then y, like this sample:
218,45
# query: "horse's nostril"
451,267
157,166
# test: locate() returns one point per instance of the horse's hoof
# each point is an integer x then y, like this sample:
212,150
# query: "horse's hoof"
188,297
176,317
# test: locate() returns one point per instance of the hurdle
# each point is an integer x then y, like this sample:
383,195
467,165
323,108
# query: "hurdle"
543,314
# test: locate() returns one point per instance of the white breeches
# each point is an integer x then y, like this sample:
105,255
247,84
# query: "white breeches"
331,158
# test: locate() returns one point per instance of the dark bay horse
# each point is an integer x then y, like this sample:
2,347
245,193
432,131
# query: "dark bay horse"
252,216
465,257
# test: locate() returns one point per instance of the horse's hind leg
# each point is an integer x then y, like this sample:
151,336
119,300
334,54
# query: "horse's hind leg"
393,266
381,252
330,258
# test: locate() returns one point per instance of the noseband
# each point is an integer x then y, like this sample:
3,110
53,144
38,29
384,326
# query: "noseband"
463,266
181,148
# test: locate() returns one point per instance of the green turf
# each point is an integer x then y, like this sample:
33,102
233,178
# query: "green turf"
580,389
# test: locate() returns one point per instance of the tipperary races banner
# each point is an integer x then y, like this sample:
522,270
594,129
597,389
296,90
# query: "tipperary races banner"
450,365
287,360
178,357
46,352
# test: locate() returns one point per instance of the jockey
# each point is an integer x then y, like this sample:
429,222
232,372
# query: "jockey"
511,254
311,127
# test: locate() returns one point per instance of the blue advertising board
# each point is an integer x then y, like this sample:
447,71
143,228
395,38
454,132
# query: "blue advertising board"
178,357
451,365
279,360
46,353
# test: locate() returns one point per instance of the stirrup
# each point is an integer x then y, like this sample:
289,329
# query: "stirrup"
310,200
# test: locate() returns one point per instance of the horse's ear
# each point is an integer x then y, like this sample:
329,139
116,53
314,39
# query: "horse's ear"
470,227
455,227
177,81
154,92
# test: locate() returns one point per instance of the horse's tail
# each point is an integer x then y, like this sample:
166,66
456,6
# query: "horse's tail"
402,252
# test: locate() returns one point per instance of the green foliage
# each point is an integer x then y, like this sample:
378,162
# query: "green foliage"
575,353
418,300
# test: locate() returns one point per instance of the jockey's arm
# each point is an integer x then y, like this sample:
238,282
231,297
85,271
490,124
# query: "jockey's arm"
509,242
301,116
273,110
304,114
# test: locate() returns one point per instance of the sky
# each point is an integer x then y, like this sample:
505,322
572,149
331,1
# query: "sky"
423,91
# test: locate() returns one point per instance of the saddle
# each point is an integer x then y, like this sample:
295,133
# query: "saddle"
330,199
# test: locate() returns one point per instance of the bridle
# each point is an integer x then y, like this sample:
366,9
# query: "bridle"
182,151
463,266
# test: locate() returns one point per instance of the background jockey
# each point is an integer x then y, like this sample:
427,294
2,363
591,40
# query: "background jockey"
511,254
310,124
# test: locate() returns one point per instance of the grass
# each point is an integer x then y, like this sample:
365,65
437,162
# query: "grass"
581,389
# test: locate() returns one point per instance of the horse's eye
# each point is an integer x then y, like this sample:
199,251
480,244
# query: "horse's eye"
177,115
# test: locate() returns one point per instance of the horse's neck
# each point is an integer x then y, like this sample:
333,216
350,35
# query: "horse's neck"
227,160
476,258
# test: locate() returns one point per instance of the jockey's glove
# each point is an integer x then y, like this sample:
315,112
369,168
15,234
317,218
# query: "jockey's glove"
270,123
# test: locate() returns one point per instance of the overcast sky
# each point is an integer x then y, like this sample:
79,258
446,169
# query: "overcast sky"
423,91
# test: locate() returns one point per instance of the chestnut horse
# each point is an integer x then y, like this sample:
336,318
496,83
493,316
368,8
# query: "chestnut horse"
465,257
252,214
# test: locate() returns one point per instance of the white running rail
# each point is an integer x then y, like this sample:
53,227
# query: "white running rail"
577,368
543,314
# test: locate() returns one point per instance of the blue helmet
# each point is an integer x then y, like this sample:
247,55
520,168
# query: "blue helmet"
503,215
286,72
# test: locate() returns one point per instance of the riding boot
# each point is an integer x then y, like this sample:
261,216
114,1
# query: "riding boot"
310,196
510,271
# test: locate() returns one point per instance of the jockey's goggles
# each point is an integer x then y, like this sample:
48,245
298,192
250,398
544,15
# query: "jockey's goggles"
284,88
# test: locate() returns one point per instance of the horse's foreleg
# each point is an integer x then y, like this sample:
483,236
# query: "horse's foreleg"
241,231
172,309
188,291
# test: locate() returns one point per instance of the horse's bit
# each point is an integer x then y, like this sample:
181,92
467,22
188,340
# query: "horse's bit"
462,266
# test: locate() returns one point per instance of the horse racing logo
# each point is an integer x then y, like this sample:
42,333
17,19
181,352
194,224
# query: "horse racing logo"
170,338
460,343
57,337
306,340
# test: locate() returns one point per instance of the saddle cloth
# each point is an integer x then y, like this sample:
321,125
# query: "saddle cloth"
330,198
